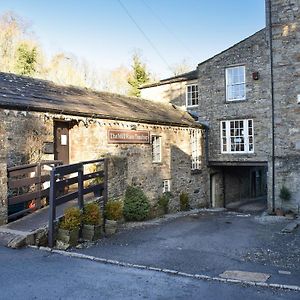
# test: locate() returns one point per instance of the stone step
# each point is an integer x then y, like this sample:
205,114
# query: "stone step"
18,239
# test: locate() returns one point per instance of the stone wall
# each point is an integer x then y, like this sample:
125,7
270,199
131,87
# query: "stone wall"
252,53
3,176
217,187
132,163
174,93
286,70
25,135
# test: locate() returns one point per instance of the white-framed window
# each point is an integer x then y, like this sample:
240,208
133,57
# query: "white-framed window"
156,149
236,83
196,149
166,185
237,136
192,95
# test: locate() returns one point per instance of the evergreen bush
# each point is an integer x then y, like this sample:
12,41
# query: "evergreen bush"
136,205
163,202
184,201
285,194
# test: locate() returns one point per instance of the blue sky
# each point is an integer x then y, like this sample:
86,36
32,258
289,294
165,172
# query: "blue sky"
101,31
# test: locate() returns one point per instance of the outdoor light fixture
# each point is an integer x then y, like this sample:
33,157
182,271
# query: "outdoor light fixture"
255,75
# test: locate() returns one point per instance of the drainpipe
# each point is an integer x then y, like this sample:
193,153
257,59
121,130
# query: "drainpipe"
269,25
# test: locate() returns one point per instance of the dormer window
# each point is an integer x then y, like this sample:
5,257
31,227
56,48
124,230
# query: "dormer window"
192,95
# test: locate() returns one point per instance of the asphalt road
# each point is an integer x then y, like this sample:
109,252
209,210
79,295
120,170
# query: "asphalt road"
33,274
209,244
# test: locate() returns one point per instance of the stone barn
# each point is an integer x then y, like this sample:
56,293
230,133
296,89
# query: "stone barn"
158,147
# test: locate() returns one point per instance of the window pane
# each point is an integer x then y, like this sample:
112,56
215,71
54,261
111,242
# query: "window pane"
156,148
192,95
235,83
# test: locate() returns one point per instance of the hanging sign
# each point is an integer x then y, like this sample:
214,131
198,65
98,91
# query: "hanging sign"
116,136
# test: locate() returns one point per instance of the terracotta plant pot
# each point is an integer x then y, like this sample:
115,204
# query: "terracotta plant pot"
91,232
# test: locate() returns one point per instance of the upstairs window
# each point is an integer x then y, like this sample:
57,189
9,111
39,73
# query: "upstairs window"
237,136
156,149
236,83
192,95
196,155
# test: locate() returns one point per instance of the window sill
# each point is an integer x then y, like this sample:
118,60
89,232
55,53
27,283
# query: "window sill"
235,100
192,106
196,171
237,152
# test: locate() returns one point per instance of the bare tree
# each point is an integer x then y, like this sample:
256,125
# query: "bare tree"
181,67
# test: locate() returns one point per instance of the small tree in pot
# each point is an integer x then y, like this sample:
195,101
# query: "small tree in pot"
92,222
113,214
68,228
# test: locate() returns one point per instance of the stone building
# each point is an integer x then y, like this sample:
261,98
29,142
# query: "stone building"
178,90
248,95
283,25
155,146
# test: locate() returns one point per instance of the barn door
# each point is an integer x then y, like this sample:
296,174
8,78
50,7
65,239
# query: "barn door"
61,141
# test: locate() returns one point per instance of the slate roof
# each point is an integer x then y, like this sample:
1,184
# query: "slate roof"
25,93
181,77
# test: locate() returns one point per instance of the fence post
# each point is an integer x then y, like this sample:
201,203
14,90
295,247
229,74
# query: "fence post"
80,187
52,215
105,181
38,185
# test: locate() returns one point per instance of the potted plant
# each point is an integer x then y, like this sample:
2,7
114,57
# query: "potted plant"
184,201
285,196
91,222
113,214
163,203
68,228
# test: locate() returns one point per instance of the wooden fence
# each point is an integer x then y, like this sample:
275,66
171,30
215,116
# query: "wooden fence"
67,183
26,186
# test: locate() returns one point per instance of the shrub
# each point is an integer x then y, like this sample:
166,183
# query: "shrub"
163,202
114,210
71,220
285,194
136,204
91,214
184,201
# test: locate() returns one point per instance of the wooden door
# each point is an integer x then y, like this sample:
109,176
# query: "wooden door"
61,141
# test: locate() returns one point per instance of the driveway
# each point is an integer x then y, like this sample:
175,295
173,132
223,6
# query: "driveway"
209,243
32,274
